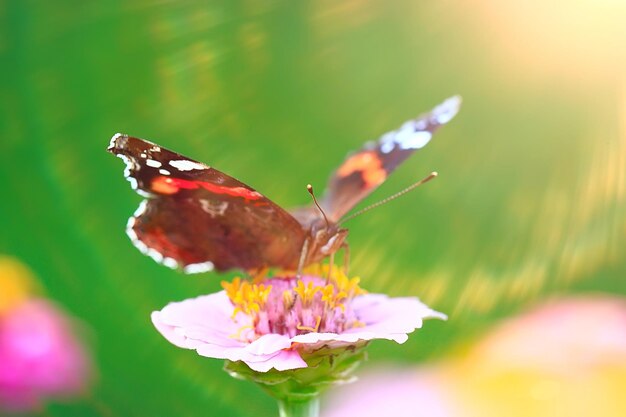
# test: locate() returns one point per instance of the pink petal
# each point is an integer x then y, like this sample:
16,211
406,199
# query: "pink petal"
206,325
334,340
234,353
268,344
384,318
280,360
283,361
169,332
258,351
193,322
382,314
213,311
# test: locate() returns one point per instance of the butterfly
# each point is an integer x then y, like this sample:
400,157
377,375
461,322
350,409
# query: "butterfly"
197,218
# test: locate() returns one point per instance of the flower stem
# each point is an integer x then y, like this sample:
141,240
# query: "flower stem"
301,407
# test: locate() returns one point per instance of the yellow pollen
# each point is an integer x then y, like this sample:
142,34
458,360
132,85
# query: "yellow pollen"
232,288
350,286
288,299
247,298
306,292
333,298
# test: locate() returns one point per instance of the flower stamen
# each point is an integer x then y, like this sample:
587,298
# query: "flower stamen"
246,297
311,329
291,305
237,336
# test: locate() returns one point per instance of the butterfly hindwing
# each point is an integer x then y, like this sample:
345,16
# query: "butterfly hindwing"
363,171
198,218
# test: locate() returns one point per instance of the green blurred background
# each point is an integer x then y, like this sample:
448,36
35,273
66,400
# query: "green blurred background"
530,203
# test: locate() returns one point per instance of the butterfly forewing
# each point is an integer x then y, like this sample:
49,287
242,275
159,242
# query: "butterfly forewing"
363,171
198,218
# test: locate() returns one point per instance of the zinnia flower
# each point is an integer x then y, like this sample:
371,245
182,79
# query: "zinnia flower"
285,323
41,356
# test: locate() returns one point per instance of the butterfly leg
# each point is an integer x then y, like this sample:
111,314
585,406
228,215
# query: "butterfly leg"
303,255
331,262
346,257
258,274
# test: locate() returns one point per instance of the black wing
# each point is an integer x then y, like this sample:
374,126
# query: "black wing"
198,218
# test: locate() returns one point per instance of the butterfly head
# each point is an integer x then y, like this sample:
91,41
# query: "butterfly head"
329,239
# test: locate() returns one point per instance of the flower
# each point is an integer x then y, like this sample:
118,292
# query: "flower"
17,283
287,323
566,357
40,354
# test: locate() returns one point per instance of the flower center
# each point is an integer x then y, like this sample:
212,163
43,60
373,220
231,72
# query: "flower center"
291,306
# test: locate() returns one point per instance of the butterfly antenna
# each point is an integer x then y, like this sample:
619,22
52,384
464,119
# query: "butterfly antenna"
390,198
309,188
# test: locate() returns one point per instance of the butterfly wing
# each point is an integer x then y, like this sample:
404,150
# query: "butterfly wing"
363,171
198,218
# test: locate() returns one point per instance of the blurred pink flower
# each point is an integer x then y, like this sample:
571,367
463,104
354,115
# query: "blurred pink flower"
564,358
40,356
560,336
394,392
275,325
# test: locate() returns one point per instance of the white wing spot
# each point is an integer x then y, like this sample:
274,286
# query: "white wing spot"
140,210
421,124
157,256
133,237
213,208
184,165
444,112
408,126
387,147
131,233
133,183
414,134
114,138
143,155
152,163
170,263
130,164
408,138
164,172
143,248
197,268
415,140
